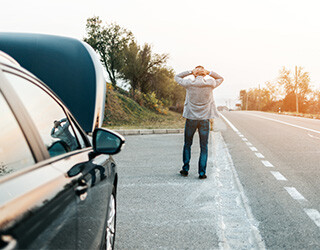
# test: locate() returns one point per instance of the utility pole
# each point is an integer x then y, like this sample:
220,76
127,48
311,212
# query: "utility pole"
296,90
259,98
247,101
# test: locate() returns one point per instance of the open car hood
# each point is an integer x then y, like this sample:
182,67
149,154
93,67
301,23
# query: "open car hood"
70,67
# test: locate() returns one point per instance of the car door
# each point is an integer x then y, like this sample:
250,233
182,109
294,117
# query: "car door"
96,175
93,210
37,202
90,176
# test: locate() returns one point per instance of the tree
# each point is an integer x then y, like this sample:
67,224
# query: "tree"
243,99
296,87
109,42
140,66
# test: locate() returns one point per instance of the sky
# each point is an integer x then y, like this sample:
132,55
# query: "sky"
245,41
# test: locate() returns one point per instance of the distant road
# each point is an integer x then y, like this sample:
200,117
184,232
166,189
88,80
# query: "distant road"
277,158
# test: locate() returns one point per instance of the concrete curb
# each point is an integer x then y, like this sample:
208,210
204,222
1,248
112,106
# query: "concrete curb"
148,131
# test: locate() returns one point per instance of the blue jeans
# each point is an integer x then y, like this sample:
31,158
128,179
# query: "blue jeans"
203,129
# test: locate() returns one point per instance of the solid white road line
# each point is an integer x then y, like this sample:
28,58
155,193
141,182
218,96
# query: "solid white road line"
286,123
246,234
278,176
230,124
259,155
254,149
314,215
267,164
294,193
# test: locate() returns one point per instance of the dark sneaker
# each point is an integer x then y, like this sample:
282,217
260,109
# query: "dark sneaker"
203,176
184,173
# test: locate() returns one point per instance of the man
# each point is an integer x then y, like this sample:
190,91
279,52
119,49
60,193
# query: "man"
199,107
63,133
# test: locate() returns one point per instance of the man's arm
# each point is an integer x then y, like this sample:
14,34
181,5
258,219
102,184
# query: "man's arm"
218,79
183,82
52,132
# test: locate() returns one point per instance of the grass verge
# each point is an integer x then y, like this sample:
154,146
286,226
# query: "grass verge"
122,112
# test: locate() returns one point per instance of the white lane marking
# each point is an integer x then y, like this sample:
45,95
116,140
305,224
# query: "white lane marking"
259,155
267,164
230,124
314,215
246,235
241,135
278,176
244,139
286,123
294,193
254,149
312,136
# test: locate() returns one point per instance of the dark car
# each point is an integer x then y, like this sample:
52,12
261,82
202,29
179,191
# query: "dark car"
57,184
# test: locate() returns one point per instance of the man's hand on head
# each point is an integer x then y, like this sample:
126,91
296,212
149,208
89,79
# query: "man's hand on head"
200,71
195,71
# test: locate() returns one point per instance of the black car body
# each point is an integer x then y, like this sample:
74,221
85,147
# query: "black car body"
57,185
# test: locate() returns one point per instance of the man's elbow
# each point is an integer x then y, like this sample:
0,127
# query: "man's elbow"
177,79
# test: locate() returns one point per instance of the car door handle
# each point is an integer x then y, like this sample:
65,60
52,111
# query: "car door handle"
9,241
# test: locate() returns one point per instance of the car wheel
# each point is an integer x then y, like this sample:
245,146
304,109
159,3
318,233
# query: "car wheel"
111,222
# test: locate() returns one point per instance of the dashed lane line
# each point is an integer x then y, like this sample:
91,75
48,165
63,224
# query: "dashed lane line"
259,155
313,214
278,176
267,164
295,194
254,149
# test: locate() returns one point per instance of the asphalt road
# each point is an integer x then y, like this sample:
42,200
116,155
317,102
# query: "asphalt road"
261,190
277,158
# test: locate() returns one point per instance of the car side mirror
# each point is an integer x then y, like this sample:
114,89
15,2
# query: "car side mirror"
106,141
58,148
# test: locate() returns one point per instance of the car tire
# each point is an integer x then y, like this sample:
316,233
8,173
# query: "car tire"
110,231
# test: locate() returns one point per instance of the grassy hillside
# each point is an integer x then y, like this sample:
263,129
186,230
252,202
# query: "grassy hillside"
123,112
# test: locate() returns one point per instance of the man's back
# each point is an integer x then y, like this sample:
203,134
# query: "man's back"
199,102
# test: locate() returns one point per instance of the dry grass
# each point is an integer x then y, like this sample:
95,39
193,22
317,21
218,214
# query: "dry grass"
122,112
171,120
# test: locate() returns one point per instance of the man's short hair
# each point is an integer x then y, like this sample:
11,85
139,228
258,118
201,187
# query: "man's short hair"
200,67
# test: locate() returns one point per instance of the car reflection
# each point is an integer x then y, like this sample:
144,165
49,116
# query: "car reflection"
61,130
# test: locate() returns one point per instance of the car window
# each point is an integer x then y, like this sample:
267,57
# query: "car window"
79,135
15,153
47,115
